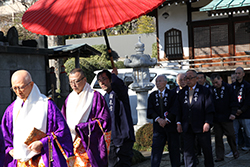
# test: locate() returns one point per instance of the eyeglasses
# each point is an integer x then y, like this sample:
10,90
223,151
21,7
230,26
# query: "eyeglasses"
190,78
76,82
184,79
20,88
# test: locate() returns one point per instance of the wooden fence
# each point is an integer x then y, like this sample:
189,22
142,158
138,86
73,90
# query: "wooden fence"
215,64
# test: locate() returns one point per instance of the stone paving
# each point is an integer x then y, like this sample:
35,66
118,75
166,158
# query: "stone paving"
242,161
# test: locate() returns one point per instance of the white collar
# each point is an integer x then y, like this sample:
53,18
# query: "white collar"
78,107
32,114
163,92
193,87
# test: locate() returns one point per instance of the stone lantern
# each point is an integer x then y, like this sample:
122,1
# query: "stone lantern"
141,80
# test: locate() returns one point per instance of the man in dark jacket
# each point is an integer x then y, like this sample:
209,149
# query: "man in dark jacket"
160,103
181,81
194,110
122,131
226,105
202,79
242,90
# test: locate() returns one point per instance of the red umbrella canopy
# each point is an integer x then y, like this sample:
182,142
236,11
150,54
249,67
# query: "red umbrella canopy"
67,17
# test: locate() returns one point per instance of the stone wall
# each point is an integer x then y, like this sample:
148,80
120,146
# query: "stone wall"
30,59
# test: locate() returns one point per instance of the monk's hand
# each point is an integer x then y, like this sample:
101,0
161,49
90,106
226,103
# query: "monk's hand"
206,127
232,117
36,146
11,152
162,122
179,128
238,112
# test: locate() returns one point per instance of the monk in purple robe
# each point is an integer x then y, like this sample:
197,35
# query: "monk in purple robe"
88,118
2,149
32,110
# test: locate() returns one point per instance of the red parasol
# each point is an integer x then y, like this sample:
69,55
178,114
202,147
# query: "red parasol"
67,17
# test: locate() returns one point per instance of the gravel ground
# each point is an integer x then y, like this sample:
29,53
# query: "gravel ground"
242,161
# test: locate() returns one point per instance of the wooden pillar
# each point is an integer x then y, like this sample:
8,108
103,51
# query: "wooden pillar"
157,35
231,34
190,30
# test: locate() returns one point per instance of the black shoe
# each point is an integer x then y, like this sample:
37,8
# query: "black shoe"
218,160
236,155
182,162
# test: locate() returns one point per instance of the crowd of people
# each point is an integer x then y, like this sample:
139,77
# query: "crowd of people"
185,115
35,133
95,130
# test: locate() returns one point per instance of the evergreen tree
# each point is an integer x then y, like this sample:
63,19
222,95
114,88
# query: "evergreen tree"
146,24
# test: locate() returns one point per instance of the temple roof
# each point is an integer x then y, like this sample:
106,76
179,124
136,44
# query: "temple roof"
225,4
72,49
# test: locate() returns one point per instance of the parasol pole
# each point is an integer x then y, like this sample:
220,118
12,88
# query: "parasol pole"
108,47
77,56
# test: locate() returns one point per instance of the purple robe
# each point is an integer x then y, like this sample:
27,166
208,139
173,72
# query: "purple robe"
2,149
97,152
55,123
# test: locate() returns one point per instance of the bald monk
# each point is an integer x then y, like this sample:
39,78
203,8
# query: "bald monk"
30,110
85,111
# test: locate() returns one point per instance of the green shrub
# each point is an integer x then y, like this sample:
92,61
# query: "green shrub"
144,138
87,67
103,49
144,135
94,62
154,50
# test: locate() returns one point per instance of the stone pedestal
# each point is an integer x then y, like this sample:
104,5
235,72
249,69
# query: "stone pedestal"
141,109
141,81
